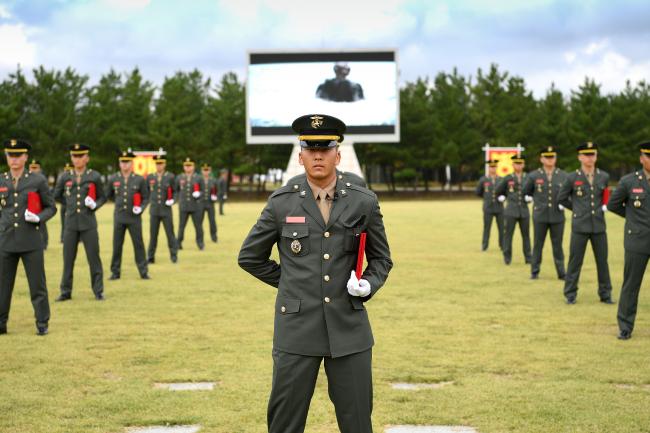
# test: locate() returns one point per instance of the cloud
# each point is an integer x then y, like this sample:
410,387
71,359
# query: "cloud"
16,48
4,12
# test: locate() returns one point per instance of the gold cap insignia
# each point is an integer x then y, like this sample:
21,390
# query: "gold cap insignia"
316,121
550,149
590,144
76,146
13,143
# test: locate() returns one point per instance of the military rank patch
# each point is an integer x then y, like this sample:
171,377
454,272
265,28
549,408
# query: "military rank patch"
296,246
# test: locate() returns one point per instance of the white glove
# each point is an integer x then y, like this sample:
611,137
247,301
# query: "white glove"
137,210
196,194
528,198
90,203
225,196
559,206
356,287
31,217
213,197
501,198
604,208
169,202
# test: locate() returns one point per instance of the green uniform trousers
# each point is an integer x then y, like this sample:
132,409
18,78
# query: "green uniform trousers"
634,268
135,231
487,226
62,212
154,228
349,383
34,265
197,221
90,239
209,210
509,231
557,233
221,203
576,257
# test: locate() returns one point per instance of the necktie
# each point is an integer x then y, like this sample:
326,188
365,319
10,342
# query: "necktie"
324,206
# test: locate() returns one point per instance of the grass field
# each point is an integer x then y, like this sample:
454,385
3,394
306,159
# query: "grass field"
520,359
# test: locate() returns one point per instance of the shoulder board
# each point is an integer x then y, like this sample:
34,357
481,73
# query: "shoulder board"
361,189
285,189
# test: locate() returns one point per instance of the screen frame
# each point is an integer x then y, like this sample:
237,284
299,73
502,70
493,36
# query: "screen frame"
362,137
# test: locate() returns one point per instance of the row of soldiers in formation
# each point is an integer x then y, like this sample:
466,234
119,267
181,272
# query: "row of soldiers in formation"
586,193
26,203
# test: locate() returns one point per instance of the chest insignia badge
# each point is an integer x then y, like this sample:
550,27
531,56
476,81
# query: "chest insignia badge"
296,246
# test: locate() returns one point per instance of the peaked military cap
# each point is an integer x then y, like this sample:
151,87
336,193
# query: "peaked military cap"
493,162
159,158
67,167
188,161
548,151
205,166
15,145
79,149
588,148
318,131
126,155
34,164
645,147
517,158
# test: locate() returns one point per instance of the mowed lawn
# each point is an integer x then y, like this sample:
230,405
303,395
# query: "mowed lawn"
520,359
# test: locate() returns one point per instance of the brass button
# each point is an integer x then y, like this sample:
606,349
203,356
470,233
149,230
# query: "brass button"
347,184
295,234
326,256
78,195
326,277
629,232
326,234
15,215
15,224
283,309
593,212
78,210
15,204
327,300
37,227
15,194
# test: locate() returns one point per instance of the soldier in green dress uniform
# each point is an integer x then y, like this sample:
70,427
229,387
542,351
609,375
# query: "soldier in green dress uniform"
492,208
543,185
320,311
82,192
20,235
209,190
516,210
130,193
222,189
66,169
162,188
631,200
188,187
582,193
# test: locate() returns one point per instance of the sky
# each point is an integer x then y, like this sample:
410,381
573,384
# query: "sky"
543,41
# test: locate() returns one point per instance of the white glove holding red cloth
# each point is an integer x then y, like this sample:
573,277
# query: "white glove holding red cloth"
360,288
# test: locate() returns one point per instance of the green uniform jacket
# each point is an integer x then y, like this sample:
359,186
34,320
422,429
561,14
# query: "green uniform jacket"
122,194
486,188
545,195
314,314
16,234
71,195
585,201
344,176
516,206
222,188
631,200
158,193
207,189
185,188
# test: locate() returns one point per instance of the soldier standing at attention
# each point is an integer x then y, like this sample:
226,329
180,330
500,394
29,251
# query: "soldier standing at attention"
25,201
492,208
222,189
516,211
543,185
66,169
130,193
319,309
584,193
82,191
188,186
631,200
208,198
162,188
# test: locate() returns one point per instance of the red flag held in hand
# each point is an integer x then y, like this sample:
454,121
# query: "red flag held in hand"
362,250
34,203
92,191
197,187
606,196
137,199
170,193
213,190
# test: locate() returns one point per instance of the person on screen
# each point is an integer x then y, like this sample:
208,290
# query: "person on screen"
339,88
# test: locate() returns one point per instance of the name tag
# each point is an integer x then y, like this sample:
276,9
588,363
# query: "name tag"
578,182
4,189
539,181
296,220
637,190
68,183
116,183
486,183
511,182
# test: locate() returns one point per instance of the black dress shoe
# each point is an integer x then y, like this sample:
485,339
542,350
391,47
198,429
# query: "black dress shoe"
63,298
41,330
151,260
201,247
100,297
214,239
607,301
507,261
624,335
3,330
114,277
180,246
145,277
174,258
570,301
534,276
561,277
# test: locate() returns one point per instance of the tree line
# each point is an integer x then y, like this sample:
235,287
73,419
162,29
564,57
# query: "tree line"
445,120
